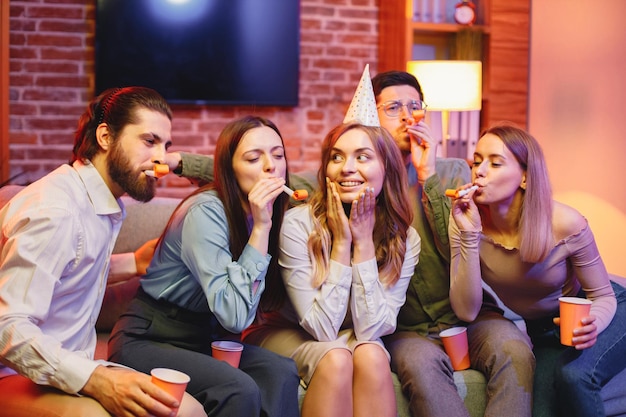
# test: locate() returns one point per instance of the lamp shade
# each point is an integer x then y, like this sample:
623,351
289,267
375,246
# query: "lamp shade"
449,85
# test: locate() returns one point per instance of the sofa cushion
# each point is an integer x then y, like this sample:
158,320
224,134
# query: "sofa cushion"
116,299
144,222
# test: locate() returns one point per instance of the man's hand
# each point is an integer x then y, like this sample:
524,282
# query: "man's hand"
144,254
127,393
172,159
423,150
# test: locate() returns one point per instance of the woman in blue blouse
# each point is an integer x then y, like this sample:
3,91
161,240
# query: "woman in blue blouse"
212,268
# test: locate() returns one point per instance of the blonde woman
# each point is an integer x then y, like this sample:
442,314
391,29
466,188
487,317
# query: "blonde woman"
532,250
346,260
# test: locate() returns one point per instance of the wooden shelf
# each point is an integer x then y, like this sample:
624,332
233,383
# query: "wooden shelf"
425,27
504,51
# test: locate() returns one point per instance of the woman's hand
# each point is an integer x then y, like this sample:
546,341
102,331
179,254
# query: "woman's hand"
338,222
338,225
362,220
261,200
465,212
363,216
584,336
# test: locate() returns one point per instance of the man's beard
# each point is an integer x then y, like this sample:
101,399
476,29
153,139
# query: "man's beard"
140,188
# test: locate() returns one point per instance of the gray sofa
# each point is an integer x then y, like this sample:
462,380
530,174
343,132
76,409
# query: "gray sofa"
145,221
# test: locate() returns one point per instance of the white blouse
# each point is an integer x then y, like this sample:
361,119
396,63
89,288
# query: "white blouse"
350,296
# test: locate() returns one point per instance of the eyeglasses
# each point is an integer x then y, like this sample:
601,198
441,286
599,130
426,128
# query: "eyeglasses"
394,108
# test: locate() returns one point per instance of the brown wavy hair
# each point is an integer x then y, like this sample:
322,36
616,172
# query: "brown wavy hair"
393,208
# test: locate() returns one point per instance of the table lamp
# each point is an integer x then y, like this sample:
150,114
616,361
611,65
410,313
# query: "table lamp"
449,85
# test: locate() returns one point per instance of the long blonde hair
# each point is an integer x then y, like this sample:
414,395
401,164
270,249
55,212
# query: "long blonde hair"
535,223
393,209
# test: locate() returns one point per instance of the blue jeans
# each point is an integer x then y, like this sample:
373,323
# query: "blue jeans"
568,381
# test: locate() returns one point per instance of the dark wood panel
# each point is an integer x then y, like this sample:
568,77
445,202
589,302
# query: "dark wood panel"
392,35
510,57
509,107
507,6
509,61
510,78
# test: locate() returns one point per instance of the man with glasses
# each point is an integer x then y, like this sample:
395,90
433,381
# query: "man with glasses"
497,347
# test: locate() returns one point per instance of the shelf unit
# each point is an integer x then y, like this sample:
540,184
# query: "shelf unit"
500,39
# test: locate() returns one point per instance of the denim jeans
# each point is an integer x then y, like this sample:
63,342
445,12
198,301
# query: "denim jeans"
568,381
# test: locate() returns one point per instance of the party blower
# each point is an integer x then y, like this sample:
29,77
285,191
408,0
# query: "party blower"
451,192
298,195
418,115
159,170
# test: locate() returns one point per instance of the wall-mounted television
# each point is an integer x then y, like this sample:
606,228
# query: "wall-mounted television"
216,52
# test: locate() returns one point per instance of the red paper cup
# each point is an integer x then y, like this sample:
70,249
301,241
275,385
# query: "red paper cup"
455,344
227,351
170,380
571,311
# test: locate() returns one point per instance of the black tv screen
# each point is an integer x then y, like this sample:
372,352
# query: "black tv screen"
226,52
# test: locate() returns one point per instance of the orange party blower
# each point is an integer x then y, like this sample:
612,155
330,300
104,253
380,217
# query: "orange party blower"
297,194
452,193
418,115
159,170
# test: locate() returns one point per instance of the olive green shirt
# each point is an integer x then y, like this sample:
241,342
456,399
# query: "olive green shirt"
427,307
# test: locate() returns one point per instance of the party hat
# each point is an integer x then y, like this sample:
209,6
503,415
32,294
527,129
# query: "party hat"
363,106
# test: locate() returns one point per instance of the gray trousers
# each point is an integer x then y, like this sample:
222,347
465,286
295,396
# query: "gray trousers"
155,334
497,348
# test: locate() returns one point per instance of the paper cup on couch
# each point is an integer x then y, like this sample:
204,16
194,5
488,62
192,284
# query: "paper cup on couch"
571,311
455,344
227,351
170,380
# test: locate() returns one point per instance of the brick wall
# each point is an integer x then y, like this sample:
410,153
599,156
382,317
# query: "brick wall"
52,79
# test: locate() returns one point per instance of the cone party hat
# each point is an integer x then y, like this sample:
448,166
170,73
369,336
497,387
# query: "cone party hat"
363,106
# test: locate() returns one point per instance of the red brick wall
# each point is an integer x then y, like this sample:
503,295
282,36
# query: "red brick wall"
52,79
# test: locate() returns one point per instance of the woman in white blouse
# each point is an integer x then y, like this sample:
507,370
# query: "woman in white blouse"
346,259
